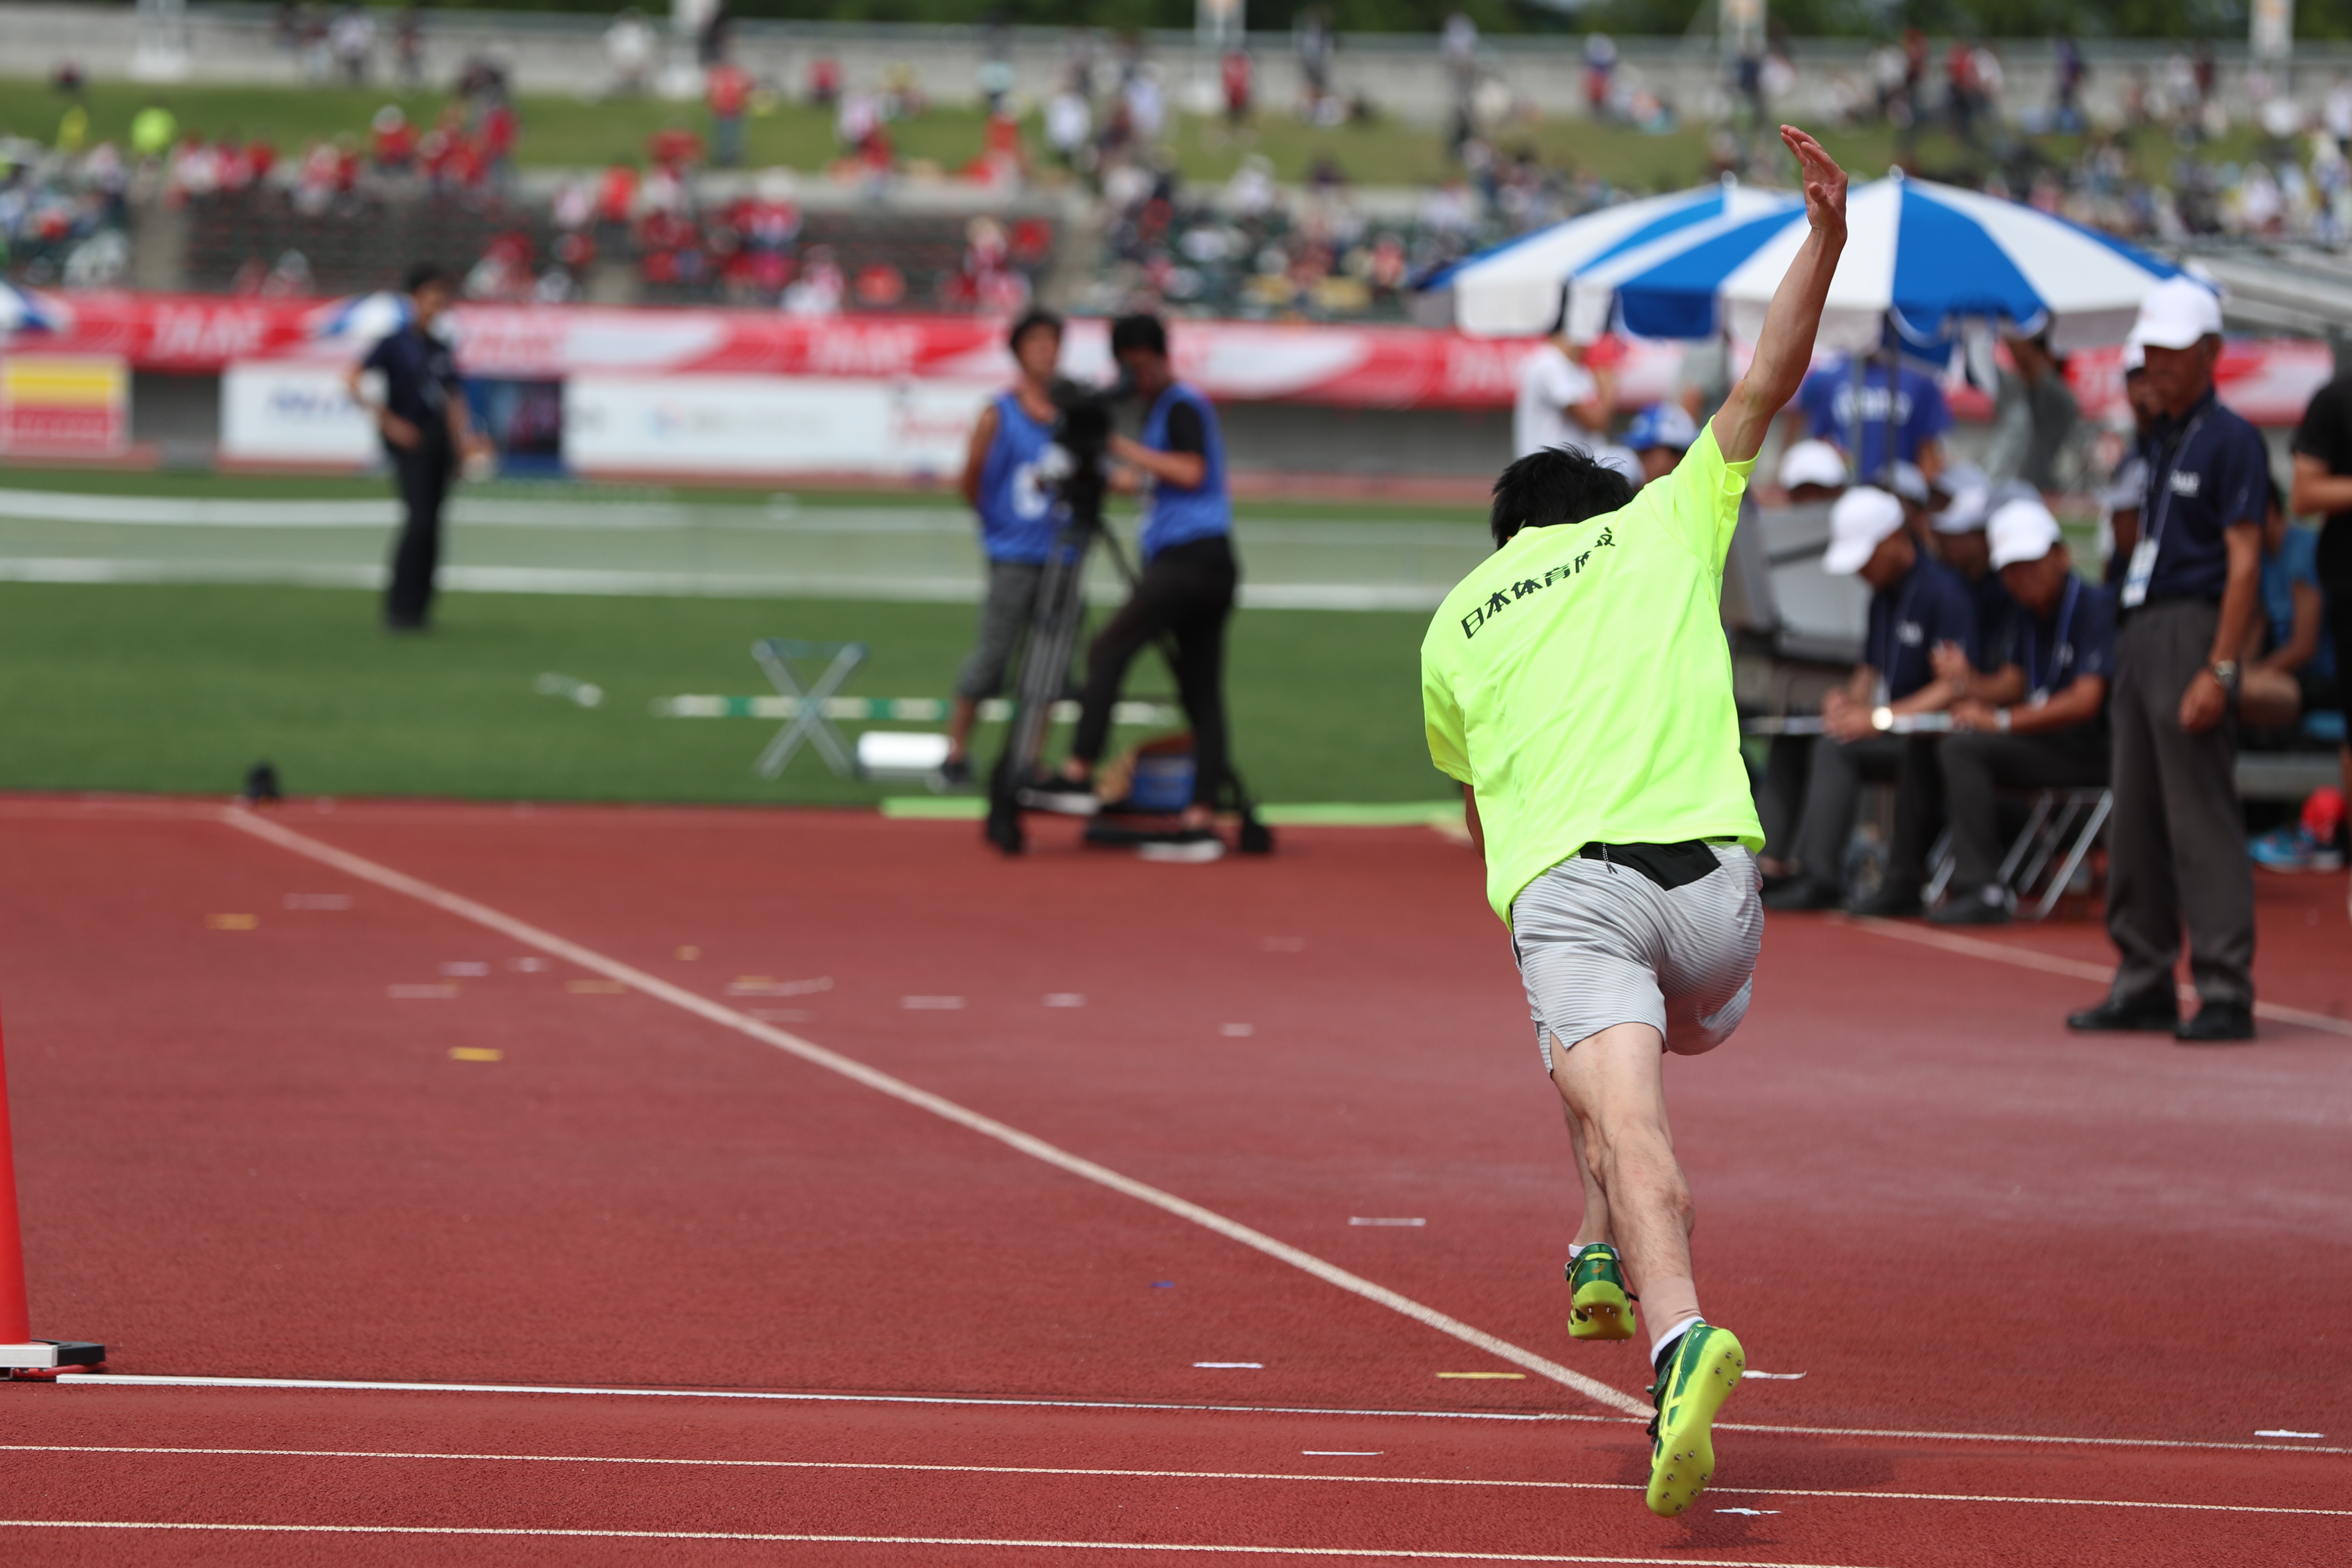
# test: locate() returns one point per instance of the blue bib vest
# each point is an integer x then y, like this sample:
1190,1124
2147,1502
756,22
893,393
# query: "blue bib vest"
1018,518
1172,515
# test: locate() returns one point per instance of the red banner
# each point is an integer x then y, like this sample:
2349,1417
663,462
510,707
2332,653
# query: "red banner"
2269,380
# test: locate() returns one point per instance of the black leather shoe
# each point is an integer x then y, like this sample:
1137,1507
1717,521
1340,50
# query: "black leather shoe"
1888,904
1973,910
1800,893
2114,1017
2217,1024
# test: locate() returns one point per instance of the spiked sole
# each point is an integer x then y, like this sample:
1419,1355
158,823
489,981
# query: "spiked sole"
1601,1311
1684,1460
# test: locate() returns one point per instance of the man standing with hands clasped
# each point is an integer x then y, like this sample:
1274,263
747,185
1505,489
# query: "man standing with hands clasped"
2177,842
427,434
1577,685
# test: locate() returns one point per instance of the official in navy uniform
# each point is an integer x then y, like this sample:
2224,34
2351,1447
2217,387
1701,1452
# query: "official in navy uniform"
2176,842
427,434
2037,722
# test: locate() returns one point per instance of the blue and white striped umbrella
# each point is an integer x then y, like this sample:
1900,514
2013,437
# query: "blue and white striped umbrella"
1517,288
22,312
1928,257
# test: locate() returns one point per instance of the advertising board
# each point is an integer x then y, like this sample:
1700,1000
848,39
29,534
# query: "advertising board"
64,405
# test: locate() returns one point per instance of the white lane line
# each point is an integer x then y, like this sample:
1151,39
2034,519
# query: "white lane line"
938,1105
2072,968
1118,1474
143,1380
150,1380
1393,1553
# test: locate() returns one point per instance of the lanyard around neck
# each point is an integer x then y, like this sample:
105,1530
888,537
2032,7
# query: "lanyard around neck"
2033,687
1894,626
2168,464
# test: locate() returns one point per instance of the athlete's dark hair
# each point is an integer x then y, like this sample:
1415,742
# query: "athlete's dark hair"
424,274
1029,322
1139,331
1557,485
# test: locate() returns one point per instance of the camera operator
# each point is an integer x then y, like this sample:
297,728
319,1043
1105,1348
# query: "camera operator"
1189,577
1018,520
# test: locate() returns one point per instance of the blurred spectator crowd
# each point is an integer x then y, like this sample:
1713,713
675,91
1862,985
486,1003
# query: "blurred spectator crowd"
683,224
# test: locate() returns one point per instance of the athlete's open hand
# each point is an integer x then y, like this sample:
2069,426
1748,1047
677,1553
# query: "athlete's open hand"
1824,182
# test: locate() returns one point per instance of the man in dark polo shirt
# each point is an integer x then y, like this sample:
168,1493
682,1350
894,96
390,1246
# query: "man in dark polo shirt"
2176,842
2039,721
427,434
1916,605
2322,483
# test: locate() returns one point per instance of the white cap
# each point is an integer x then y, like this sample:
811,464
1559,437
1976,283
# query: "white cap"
1861,519
1812,463
2176,314
2020,531
2134,358
1965,513
1955,477
1909,483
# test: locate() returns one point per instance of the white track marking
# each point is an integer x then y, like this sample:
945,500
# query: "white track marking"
145,1380
138,1380
2072,968
1197,1550
1118,1474
938,1105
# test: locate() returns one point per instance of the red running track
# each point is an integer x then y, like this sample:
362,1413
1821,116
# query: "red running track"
2010,1266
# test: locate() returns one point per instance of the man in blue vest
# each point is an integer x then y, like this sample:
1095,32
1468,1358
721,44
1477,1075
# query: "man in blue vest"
1018,521
1186,591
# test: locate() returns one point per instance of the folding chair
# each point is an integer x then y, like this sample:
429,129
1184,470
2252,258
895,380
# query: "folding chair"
2063,827
809,724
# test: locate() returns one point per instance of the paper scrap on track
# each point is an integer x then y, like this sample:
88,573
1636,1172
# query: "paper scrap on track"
1232,1365
1358,1219
947,1109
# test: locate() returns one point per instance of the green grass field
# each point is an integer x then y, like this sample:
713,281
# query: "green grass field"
567,133
215,485
181,688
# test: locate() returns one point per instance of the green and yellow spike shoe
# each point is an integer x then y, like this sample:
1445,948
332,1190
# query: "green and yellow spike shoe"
1602,1308
1706,1366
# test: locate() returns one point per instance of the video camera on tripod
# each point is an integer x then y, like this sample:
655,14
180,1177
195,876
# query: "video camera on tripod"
1076,468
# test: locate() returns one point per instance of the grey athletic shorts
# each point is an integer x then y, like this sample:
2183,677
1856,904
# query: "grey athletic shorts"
1003,616
1601,945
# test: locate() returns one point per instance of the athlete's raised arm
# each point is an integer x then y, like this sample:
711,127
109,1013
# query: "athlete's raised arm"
1785,349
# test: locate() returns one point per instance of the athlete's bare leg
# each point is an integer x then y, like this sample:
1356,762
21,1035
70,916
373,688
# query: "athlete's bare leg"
1615,1087
1594,1226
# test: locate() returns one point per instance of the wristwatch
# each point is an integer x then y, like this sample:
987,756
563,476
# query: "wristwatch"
2224,672
2000,718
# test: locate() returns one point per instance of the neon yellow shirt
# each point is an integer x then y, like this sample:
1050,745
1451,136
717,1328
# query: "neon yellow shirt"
1580,681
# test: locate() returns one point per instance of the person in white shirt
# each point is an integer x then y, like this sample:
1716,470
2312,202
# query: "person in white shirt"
1563,401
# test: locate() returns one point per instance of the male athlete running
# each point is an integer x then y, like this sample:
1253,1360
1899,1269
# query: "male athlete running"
1578,686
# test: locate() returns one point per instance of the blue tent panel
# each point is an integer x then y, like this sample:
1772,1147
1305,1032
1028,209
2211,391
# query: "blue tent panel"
1676,299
